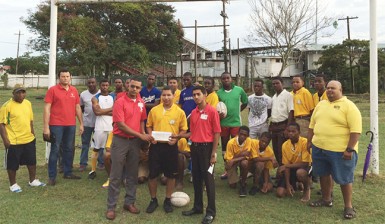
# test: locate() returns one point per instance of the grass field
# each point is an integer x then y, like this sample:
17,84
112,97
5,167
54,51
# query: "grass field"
84,201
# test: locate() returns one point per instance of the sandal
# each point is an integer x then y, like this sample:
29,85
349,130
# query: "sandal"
349,213
321,203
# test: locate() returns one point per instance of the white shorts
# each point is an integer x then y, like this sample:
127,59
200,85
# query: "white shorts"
256,131
99,139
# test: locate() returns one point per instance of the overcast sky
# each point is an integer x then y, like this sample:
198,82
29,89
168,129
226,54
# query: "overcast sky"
206,13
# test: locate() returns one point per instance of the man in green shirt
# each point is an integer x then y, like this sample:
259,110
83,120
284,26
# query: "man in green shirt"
235,100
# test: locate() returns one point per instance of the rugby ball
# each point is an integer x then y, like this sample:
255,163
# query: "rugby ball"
221,108
179,199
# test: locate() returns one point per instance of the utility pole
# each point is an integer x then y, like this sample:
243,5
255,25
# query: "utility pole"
350,51
17,54
224,15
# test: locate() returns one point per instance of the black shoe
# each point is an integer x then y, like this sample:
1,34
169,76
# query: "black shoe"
72,177
253,190
167,206
92,175
242,191
152,206
208,219
191,212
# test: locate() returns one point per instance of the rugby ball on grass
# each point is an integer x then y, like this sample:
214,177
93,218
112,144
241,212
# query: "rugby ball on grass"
179,199
221,108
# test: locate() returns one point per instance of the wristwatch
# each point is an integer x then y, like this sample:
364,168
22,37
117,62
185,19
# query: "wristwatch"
350,149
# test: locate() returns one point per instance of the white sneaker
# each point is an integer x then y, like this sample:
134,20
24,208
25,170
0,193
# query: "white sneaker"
36,183
15,188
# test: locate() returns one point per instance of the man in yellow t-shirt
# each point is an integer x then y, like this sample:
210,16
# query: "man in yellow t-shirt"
16,129
238,154
319,85
173,83
296,162
163,155
333,134
263,162
303,104
212,97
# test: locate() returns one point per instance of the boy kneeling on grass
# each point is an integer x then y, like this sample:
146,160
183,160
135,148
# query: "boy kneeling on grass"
296,165
263,161
238,154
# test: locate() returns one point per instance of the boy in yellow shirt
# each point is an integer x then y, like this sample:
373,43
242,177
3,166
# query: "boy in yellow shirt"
296,164
263,161
319,85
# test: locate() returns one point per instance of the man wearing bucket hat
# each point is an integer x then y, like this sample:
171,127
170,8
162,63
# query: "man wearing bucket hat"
16,129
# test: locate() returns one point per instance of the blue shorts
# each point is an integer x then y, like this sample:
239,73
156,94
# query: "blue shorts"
331,163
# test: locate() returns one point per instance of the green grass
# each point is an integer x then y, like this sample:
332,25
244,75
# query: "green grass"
84,201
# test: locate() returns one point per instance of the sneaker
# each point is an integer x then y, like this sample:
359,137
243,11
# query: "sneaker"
224,176
92,175
167,206
152,206
36,183
253,190
106,184
249,174
15,188
82,168
242,191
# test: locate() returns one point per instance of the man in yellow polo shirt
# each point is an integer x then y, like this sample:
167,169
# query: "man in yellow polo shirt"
163,155
16,129
296,162
334,131
320,87
238,154
173,83
263,162
212,97
303,104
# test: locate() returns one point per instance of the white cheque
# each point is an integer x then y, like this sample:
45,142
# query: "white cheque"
161,136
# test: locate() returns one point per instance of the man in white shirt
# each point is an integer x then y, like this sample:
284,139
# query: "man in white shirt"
282,112
260,110
88,120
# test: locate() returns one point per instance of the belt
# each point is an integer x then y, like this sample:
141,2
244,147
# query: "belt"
278,123
200,143
306,117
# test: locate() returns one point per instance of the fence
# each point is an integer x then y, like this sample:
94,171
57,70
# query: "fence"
38,81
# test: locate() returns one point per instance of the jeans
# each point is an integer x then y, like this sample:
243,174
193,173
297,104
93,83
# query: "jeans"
86,139
64,135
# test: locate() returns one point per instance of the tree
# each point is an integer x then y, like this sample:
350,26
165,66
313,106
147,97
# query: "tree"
284,25
101,35
28,63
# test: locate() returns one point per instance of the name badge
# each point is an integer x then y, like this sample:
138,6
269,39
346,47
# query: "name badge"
204,116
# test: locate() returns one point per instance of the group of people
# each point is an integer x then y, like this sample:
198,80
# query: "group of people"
147,132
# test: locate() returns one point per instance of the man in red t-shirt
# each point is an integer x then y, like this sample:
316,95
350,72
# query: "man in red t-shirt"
128,115
61,105
205,132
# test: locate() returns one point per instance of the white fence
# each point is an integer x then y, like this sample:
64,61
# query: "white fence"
38,81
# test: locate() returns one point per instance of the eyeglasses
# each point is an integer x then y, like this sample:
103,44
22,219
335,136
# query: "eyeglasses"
135,87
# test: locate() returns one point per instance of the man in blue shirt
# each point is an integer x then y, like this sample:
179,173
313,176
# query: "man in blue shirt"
186,97
150,94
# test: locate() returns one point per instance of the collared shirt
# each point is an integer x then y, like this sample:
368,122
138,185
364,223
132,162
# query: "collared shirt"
172,120
183,146
317,99
187,101
63,105
296,153
267,153
204,124
88,114
17,119
233,147
282,104
303,102
332,123
131,112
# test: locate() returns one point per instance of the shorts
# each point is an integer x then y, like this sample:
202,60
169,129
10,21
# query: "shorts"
163,158
99,139
256,131
327,162
23,154
232,173
293,178
229,131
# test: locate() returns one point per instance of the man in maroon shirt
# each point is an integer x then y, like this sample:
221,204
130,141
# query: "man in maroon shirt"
205,132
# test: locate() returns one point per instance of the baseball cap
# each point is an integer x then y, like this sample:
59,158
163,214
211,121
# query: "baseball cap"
18,87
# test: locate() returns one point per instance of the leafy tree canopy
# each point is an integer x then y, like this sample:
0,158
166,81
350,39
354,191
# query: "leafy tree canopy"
27,64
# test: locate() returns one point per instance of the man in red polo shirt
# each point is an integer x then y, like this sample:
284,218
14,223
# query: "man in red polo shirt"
205,132
61,105
128,115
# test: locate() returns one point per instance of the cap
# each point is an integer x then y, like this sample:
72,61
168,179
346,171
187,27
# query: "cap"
18,87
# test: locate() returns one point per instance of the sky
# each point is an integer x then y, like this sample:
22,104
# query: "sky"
206,13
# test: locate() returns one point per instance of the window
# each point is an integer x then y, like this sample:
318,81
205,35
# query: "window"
263,60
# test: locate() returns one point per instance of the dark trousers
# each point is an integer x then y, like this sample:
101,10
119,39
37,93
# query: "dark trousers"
277,139
200,157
